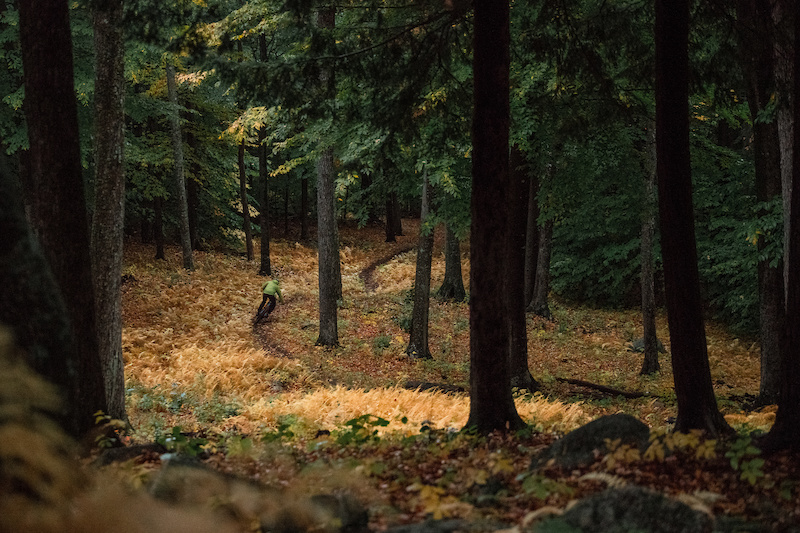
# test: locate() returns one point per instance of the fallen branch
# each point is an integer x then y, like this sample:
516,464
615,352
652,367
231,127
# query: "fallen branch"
602,388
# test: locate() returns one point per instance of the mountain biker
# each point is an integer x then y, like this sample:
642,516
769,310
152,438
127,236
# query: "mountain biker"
269,289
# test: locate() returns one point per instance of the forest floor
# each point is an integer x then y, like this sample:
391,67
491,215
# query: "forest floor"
265,403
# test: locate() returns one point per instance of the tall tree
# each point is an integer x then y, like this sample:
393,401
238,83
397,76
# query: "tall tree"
56,196
697,406
452,287
541,287
330,279
650,363
785,432
491,403
418,341
757,46
109,197
266,264
177,169
517,203
531,238
248,231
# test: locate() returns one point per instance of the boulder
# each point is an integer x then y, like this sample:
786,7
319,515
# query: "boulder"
581,446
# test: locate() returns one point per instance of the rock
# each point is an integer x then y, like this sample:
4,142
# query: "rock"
578,447
448,526
627,509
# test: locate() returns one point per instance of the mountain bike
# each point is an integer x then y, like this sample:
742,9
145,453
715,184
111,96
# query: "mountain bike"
261,315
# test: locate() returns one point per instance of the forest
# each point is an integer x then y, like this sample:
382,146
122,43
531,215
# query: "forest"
535,266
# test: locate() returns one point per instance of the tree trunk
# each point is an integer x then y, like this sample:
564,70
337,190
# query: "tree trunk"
397,219
453,284
541,288
304,209
785,432
782,14
755,28
532,238
518,192
263,175
109,213
418,341
390,226
491,403
180,180
328,248
57,200
158,226
697,406
193,204
248,231
650,363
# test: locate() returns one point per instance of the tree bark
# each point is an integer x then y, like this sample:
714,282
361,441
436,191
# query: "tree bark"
328,248
109,212
532,237
650,364
248,231
697,405
517,202
57,199
541,288
785,432
453,284
418,339
756,30
304,209
178,171
158,226
263,175
390,226
784,53
491,403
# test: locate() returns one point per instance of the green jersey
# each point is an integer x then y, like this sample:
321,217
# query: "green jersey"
272,288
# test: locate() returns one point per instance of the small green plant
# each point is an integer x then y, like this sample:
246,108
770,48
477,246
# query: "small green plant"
380,343
283,431
362,429
177,442
744,458
113,427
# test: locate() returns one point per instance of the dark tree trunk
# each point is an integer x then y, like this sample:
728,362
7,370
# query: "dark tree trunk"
418,341
193,203
158,226
57,199
248,231
782,15
697,406
390,226
785,432
304,209
452,288
263,176
541,288
31,303
491,403
328,252
756,29
532,237
178,170
397,219
517,203
109,213
650,364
